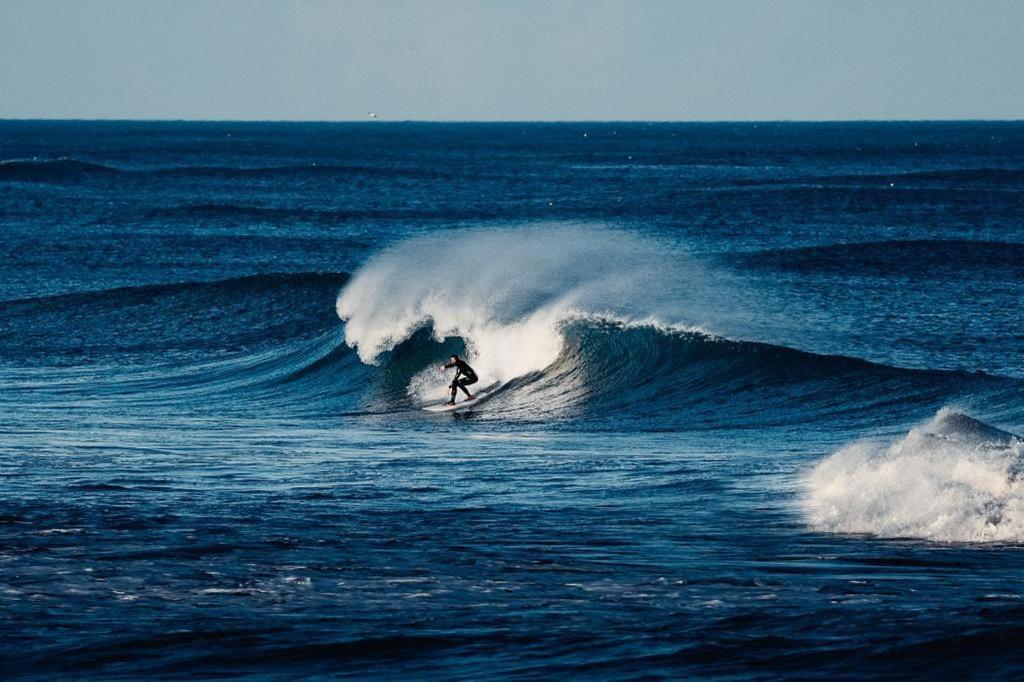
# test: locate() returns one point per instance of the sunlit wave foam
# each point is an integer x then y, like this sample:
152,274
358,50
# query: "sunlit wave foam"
508,293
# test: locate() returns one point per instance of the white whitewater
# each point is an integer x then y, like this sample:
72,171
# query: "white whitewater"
954,479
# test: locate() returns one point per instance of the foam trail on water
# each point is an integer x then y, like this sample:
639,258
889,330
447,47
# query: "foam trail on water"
954,479
506,293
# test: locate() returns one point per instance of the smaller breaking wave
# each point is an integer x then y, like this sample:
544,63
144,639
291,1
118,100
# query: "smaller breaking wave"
954,479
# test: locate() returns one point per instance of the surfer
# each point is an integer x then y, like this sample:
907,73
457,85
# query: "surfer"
464,376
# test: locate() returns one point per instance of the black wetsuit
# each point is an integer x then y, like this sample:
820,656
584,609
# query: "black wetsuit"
464,376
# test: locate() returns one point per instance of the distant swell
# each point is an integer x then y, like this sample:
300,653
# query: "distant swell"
314,169
158,323
904,257
951,178
968,175
64,169
51,170
248,215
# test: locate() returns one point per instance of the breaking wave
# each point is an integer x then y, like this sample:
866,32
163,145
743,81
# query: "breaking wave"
508,294
564,324
583,321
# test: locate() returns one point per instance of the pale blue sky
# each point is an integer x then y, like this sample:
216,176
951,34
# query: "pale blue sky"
550,60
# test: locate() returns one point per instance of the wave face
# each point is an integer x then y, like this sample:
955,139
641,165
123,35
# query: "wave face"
954,479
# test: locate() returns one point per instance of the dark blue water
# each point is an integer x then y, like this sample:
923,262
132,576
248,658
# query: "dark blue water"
752,392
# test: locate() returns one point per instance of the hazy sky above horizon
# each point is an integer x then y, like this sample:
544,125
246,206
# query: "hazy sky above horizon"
554,60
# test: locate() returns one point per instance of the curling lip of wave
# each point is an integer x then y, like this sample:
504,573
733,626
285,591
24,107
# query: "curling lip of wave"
507,292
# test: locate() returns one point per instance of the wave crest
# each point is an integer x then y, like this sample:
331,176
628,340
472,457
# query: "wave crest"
507,293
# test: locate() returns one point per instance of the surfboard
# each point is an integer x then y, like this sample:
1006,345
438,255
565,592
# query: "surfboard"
477,397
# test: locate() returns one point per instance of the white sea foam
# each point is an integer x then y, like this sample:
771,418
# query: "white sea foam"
506,293
954,479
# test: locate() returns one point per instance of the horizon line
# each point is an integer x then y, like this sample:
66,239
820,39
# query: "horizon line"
506,121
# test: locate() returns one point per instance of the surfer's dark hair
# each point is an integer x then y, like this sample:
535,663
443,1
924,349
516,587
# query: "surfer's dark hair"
455,355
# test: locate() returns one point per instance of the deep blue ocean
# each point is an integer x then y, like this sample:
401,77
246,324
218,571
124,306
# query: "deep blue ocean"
752,397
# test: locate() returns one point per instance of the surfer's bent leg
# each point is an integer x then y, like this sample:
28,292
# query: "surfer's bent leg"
462,384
